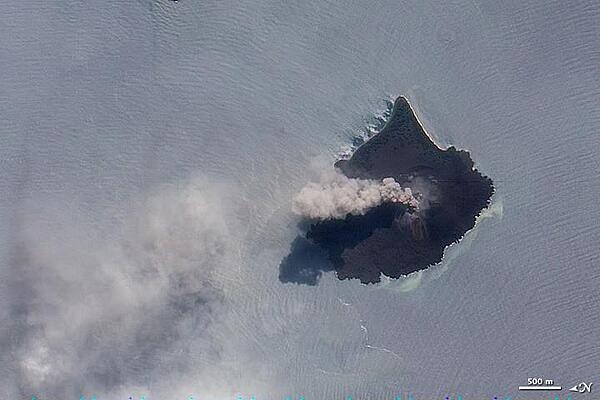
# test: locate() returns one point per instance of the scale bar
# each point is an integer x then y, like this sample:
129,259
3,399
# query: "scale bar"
540,387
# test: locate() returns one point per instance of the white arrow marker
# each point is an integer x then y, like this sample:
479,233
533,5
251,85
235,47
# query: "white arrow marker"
582,387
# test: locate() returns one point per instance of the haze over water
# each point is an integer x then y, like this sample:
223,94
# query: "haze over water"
150,151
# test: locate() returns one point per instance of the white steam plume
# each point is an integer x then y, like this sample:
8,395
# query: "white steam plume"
336,196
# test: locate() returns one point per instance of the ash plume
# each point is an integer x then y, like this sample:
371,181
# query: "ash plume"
336,196
107,309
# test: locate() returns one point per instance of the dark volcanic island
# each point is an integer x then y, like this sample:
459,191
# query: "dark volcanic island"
392,239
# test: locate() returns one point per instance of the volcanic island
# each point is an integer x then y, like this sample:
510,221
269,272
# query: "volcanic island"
392,239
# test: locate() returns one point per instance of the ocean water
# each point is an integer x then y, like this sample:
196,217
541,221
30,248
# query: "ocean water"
149,152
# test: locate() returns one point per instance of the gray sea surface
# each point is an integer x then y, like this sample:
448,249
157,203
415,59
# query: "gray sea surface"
150,151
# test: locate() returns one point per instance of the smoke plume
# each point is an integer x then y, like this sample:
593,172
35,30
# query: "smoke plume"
100,309
336,196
